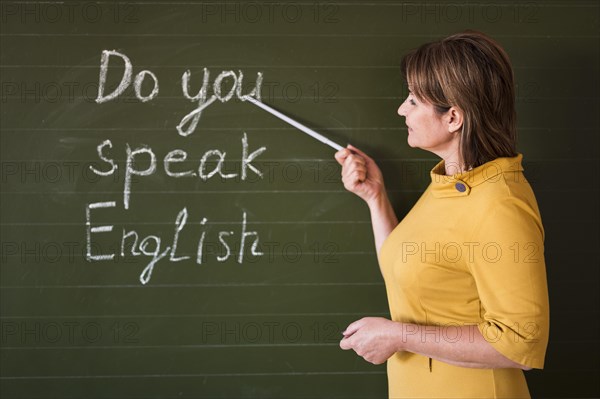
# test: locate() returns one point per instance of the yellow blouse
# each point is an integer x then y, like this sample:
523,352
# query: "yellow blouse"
470,252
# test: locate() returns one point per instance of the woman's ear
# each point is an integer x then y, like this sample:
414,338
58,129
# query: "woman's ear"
454,118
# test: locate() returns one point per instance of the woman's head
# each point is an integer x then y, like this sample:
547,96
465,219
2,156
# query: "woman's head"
470,74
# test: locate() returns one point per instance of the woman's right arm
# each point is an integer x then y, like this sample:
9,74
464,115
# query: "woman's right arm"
362,177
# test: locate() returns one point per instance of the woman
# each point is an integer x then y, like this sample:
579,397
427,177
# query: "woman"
464,269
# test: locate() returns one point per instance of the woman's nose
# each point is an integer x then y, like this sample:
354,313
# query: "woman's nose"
402,109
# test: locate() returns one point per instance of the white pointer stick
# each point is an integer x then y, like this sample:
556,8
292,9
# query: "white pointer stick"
298,125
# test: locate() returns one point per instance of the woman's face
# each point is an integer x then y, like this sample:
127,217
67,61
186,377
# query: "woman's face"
426,128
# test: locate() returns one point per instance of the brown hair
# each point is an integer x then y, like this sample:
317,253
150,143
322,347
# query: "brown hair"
470,71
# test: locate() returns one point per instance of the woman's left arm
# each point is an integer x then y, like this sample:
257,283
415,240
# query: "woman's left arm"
513,330
376,339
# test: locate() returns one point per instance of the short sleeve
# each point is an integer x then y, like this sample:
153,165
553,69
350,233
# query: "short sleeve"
508,266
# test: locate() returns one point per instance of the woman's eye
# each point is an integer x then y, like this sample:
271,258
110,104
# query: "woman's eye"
412,102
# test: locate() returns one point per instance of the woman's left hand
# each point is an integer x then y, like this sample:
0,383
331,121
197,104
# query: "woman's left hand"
375,339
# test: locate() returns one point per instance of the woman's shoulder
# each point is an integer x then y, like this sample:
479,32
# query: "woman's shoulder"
503,198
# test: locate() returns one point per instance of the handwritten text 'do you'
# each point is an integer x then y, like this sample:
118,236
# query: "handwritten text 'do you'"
224,87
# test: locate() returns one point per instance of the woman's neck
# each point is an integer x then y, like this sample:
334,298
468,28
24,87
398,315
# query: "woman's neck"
453,164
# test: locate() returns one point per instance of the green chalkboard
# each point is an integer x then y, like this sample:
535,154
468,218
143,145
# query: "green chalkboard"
223,258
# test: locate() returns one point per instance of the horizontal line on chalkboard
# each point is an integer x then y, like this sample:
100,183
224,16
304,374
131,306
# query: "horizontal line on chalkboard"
277,35
271,66
180,316
340,3
197,346
216,129
309,97
226,129
200,346
205,192
299,98
287,373
297,160
207,346
231,315
223,192
289,222
341,254
210,346
200,285
277,255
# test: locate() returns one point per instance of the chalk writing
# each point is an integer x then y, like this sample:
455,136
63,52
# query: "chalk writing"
192,118
211,164
140,161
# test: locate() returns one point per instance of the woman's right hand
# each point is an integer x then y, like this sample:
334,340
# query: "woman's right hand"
360,174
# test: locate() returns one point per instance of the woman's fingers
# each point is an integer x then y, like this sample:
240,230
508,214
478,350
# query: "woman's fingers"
359,172
341,155
354,168
352,162
350,167
354,173
345,344
352,328
355,150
